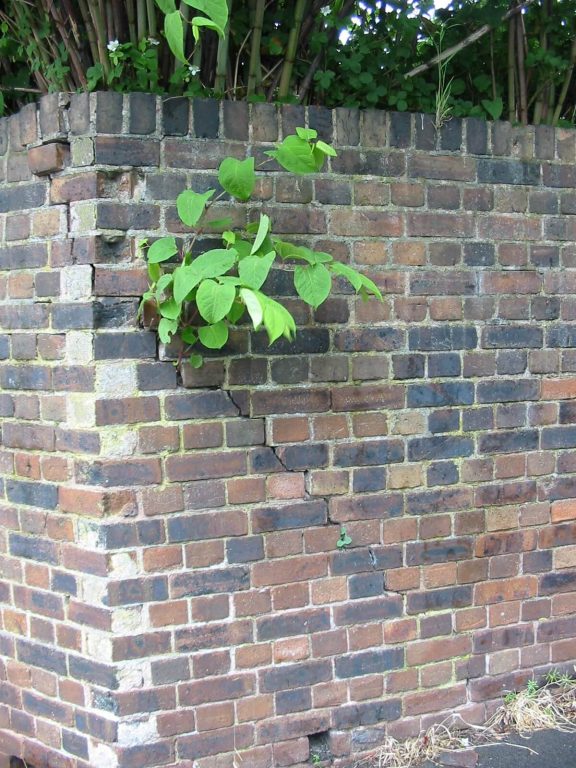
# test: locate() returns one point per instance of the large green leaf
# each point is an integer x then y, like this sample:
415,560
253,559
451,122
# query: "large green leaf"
162,285
191,205
170,309
166,329
253,305
185,280
213,336
253,270
162,250
166,6
237,177
174,31
350,274
261,234
217,10
214,300
313,284
278,321
214,263
369,287
295,155
201,21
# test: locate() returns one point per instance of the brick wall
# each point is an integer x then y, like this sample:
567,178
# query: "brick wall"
171,590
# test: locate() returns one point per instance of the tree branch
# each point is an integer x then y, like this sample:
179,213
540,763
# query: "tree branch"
449,52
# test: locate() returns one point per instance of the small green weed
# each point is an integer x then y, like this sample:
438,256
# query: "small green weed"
344,540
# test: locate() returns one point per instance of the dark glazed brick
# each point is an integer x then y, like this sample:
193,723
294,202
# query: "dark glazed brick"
249,370
434,395
22,196
297,700
307,341
476,136
366,585
245,549
40,656
119,346
425,131
508,172
552,583
72,316
369,662
292,116
479,254
108,112
165,186
114,313
34,494
348,127
3,136
206,113
444,421
175,116
320,119
509,362
299,515
142,113
116,150
79,113
289,625
442,473
439,339
201,405
439,552
103,675
369,713
216,581
264,122
444,364
515,337
436,599
451,135
368,452
236,120
509,442
295,676
558,437
561,336
439,447
537,562
408,366
152,376
74,743
303,457
370,479
400,129
506,391
369,340
33,548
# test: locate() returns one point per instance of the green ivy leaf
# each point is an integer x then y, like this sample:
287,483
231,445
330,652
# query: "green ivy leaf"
350,274
213,336
217,10
295,155
191,205
162,250
154,272
263,229
166,6
200,21
291,251
253,270
196,360
219,223
278,321
185,280
170,309
214,263
229,237
369,287
237,177
163,284
313,284
306,133
236,312
494,107
326,149
188,336
166,329
174,31
214,300
253,305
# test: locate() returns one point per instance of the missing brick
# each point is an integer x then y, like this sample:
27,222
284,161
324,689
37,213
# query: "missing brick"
319,744
17,762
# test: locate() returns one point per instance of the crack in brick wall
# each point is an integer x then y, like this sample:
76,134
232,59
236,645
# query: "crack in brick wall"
171,592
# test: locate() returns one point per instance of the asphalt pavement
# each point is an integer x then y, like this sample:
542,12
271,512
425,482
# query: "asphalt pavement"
547,749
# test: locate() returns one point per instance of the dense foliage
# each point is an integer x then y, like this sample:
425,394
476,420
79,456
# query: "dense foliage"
344,52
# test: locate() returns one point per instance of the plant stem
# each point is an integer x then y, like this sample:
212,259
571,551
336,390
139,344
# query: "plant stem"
222,56
512,70
254,67
100,31
152,27
565,84
286,75
141,19
90,31
131,14
522,91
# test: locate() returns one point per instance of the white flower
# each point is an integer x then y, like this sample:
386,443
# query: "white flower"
193,69
153,41
113,45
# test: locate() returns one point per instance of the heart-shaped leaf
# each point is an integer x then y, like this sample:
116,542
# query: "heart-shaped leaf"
213,336
237,177
214,300
313,284
253,270
191,205
162,250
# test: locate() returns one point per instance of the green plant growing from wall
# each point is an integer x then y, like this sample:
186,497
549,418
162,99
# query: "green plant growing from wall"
198,298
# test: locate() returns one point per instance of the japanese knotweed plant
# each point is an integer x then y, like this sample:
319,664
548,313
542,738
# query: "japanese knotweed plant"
197,298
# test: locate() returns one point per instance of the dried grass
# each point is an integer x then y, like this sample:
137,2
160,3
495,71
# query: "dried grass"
550,706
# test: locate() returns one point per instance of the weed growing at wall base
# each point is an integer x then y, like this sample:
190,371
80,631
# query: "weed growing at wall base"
198,298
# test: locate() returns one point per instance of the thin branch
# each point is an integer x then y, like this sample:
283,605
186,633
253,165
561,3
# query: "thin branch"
565,84
449,52
254,75
222,56
291,50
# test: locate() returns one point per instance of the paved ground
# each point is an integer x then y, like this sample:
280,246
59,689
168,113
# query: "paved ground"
554,750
